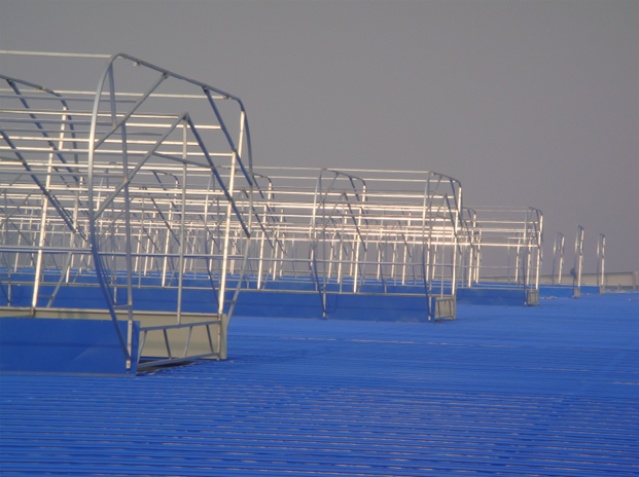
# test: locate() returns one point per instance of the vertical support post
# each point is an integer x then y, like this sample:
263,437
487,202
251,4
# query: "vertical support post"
526,250
260,262
94,222
517,262
538,249
477,259
127,225
558,257
380,255
42,236
357,244
404,262
167,244
601,262
182,226
426,239
331,255
227,237
579,255
456,219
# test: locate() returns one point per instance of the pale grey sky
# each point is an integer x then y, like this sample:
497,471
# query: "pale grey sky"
526,102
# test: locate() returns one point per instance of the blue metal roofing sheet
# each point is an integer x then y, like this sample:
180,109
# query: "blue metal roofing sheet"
545,391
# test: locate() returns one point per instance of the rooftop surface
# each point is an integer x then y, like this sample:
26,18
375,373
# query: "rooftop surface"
539,391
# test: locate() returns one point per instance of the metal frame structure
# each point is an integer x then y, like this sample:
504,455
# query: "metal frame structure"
503,249
359,232
147,184
143,182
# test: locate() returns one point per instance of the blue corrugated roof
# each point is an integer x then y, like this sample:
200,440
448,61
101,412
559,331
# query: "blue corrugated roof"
550,390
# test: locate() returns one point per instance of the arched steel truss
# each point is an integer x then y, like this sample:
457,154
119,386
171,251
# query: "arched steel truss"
145,175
